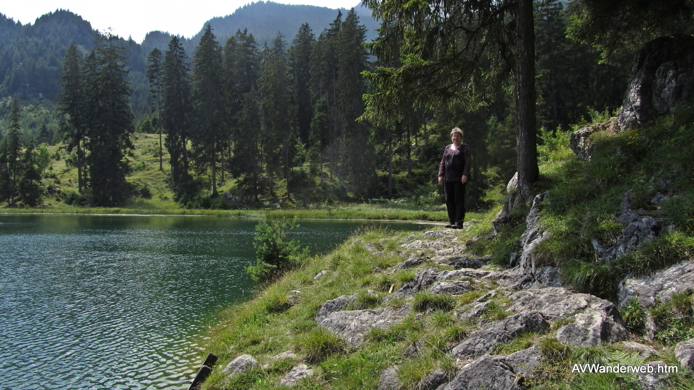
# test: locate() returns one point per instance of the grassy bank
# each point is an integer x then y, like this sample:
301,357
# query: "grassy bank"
583,204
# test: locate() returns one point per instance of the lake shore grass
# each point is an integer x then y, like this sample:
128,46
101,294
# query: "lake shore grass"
348,212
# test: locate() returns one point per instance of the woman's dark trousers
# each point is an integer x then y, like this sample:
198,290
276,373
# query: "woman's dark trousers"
455,201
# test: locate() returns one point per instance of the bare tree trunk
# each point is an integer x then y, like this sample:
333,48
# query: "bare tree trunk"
528,171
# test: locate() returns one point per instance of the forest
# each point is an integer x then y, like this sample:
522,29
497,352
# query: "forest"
323,116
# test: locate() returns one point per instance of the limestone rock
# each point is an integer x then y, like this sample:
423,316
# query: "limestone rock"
525,361
658,287
503,217
500,332
655,380
663,78
353,325
334,305
684,352
451,288
487,373
421,282
580,142
296,375
410,263
240,365
557,302
592,328
432,381
472,310
389,380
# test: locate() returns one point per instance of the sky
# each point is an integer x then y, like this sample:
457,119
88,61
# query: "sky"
134,19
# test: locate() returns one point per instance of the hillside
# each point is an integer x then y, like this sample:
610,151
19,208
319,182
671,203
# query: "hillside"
512,306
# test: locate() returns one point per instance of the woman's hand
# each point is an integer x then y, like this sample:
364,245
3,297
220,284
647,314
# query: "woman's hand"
463,179
441,180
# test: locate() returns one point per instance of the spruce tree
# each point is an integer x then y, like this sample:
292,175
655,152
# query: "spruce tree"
300,64
176,116
154,70
276,102
109,122
351,62
209,100
71,103
12,152
29,189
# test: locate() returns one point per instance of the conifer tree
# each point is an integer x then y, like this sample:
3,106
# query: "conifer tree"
208,99
71,103
12,151
176,115
154,70
29,189
109,122
351,62
277,108
248,149
300,64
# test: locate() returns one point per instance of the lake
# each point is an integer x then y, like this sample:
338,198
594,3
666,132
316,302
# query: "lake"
116,302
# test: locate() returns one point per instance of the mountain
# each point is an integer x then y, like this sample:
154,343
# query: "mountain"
264,20
31,56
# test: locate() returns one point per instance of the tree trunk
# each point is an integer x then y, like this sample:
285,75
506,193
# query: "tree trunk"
79,167
525,84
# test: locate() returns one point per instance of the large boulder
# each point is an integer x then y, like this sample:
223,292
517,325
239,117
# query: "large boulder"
663,79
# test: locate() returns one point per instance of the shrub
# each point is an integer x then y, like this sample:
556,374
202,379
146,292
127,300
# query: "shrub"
274,254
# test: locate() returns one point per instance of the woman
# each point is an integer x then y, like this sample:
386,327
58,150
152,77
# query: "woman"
454,172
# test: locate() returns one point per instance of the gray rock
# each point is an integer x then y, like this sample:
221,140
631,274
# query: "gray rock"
355,324
410,263
389,380
503,217
489,373
580,141
320,275
432,381
421,282
464,273
557,302
656,380
296,375
663,79
500,332
592,328
334,305
240,365
640,229
451,288
525,361
659,287
472,310
684,352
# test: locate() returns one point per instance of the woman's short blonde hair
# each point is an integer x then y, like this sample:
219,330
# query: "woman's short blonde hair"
457,130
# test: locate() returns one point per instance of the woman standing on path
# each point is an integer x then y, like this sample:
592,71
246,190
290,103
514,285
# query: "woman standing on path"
454,172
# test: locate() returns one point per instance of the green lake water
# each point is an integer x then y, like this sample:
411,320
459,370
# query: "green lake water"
115,302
